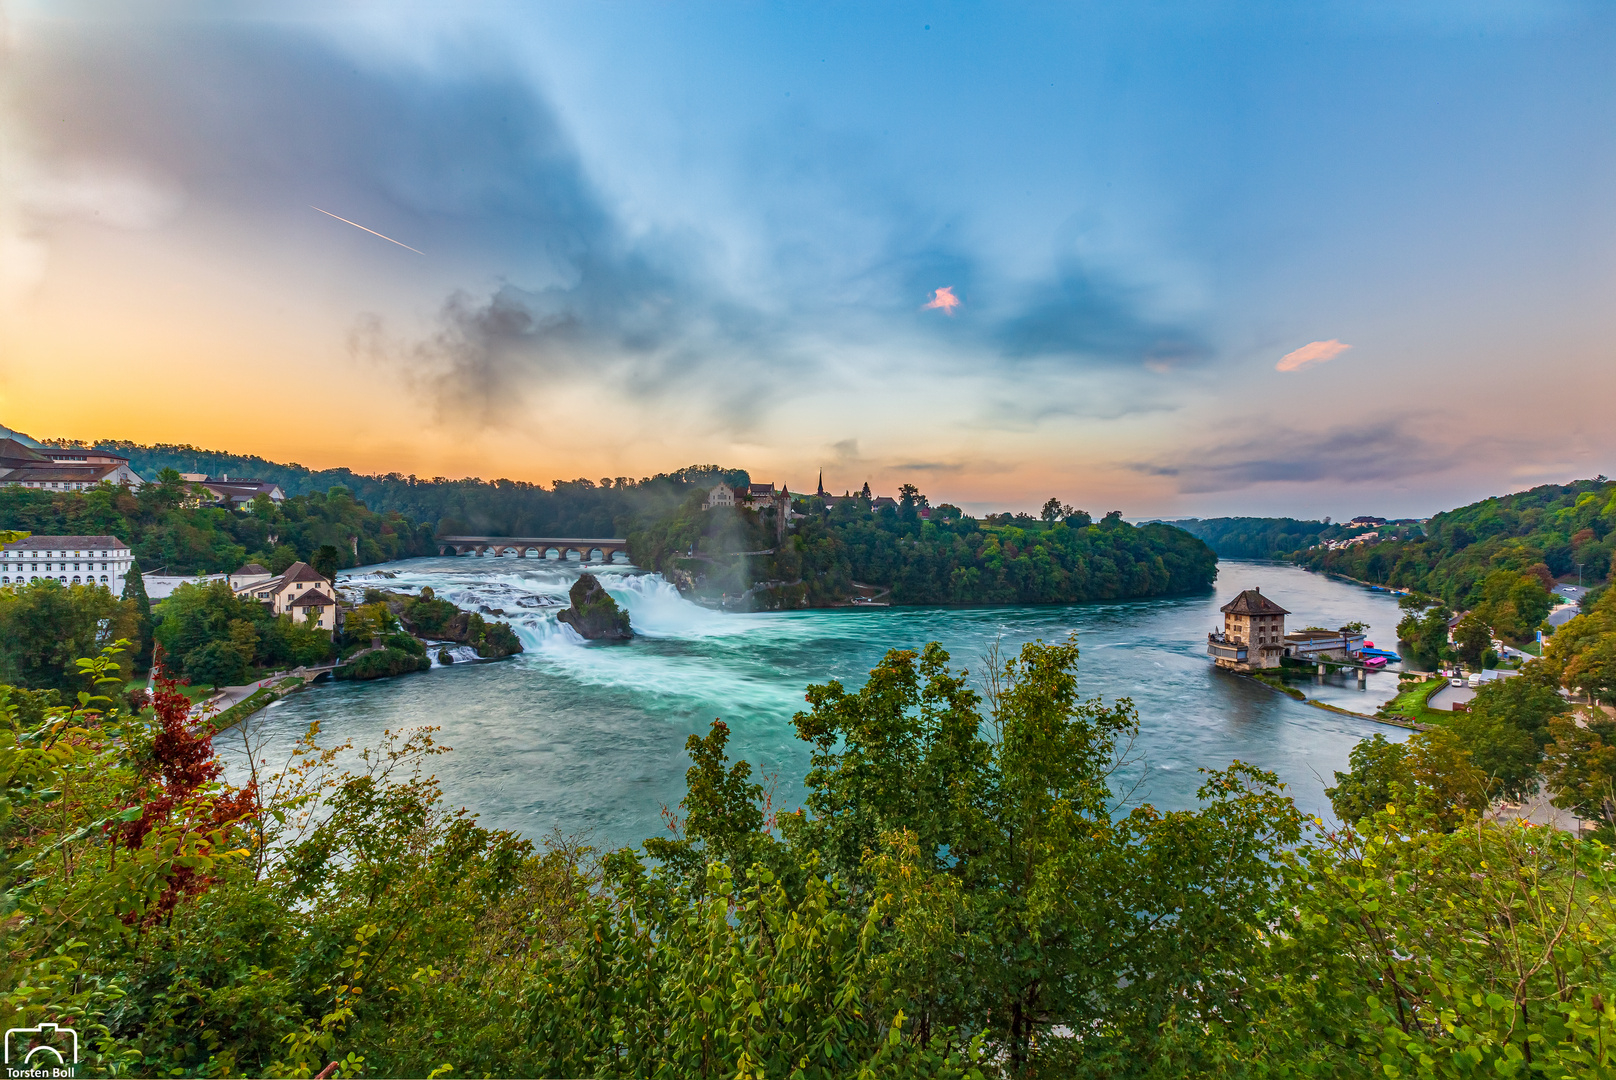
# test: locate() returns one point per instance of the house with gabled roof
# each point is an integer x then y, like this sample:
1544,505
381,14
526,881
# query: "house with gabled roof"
301,591
1253,634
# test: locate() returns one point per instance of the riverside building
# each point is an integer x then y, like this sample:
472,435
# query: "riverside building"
70,560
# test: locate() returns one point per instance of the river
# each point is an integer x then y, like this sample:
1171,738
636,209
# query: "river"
588,738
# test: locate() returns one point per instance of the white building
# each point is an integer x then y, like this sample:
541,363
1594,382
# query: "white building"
301,591
721,495
71,560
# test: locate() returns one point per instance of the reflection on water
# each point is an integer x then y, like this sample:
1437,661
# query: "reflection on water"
589,737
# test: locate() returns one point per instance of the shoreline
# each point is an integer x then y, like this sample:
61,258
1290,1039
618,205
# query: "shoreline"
1317,704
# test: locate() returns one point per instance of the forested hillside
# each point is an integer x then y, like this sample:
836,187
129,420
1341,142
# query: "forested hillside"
165,535
582,507
1558,527
1260,538
949,559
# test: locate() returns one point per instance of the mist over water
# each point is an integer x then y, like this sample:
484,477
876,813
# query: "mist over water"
588,737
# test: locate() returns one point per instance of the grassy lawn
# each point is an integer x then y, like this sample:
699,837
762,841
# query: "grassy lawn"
1271,678
1410,703
195,693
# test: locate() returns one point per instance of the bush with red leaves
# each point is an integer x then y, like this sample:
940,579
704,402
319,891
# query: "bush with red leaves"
184,765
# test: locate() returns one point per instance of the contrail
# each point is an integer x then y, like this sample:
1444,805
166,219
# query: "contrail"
372,232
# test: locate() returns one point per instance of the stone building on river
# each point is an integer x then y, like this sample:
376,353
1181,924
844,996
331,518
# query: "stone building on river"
1253,633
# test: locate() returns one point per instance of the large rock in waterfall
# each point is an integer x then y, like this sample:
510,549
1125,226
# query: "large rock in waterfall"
594,613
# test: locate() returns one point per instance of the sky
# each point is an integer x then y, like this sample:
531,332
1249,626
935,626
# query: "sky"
1169,258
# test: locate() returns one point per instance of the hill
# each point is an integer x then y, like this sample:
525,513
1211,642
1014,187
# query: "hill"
1547,532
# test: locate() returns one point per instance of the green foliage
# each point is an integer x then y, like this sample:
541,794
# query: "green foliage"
499,507
1425,635
1378,773
948,559
1472,638
1543,533
46,626
199,623
384,663
165,533
215,664
1580,767
1431,777
1260,538
964,894
1486,951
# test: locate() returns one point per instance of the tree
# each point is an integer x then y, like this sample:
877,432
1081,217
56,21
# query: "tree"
1580,768
1472,638
1593,670
1034,906
45,627
1425,631
1053,511
1378,771
1430,777
216,664
327,560
134,592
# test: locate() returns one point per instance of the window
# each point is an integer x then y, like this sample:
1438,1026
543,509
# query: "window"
103,579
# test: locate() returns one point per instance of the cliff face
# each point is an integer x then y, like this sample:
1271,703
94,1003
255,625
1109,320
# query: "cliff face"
594,614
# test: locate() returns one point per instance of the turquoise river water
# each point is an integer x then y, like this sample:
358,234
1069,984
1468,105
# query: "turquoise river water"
589,738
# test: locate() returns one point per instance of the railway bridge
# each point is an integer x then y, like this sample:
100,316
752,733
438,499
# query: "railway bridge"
589,549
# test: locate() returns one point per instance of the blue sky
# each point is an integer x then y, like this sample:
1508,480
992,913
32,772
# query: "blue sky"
658,234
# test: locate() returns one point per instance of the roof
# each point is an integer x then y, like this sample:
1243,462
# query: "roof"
301,571
13,451
252,568
82,453
312,598
41,543
51,472
1252,602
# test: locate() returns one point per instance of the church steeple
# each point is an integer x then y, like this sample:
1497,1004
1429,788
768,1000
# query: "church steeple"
821,491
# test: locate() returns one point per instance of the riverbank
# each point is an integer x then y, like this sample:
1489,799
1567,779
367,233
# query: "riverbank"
1279,686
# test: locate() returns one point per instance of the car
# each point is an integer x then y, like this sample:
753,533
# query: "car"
1457,680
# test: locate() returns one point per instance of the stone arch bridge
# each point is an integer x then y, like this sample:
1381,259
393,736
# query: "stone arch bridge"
589,549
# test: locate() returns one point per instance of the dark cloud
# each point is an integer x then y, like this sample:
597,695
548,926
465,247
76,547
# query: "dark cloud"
263,120
1387,450
927,467
1082,315
463,159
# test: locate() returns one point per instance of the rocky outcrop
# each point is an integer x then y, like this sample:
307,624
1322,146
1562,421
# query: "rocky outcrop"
594,614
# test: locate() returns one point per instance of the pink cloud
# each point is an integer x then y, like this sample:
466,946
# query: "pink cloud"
943,299
1314,352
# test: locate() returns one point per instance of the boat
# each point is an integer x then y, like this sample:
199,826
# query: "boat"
1374,662
1383,654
